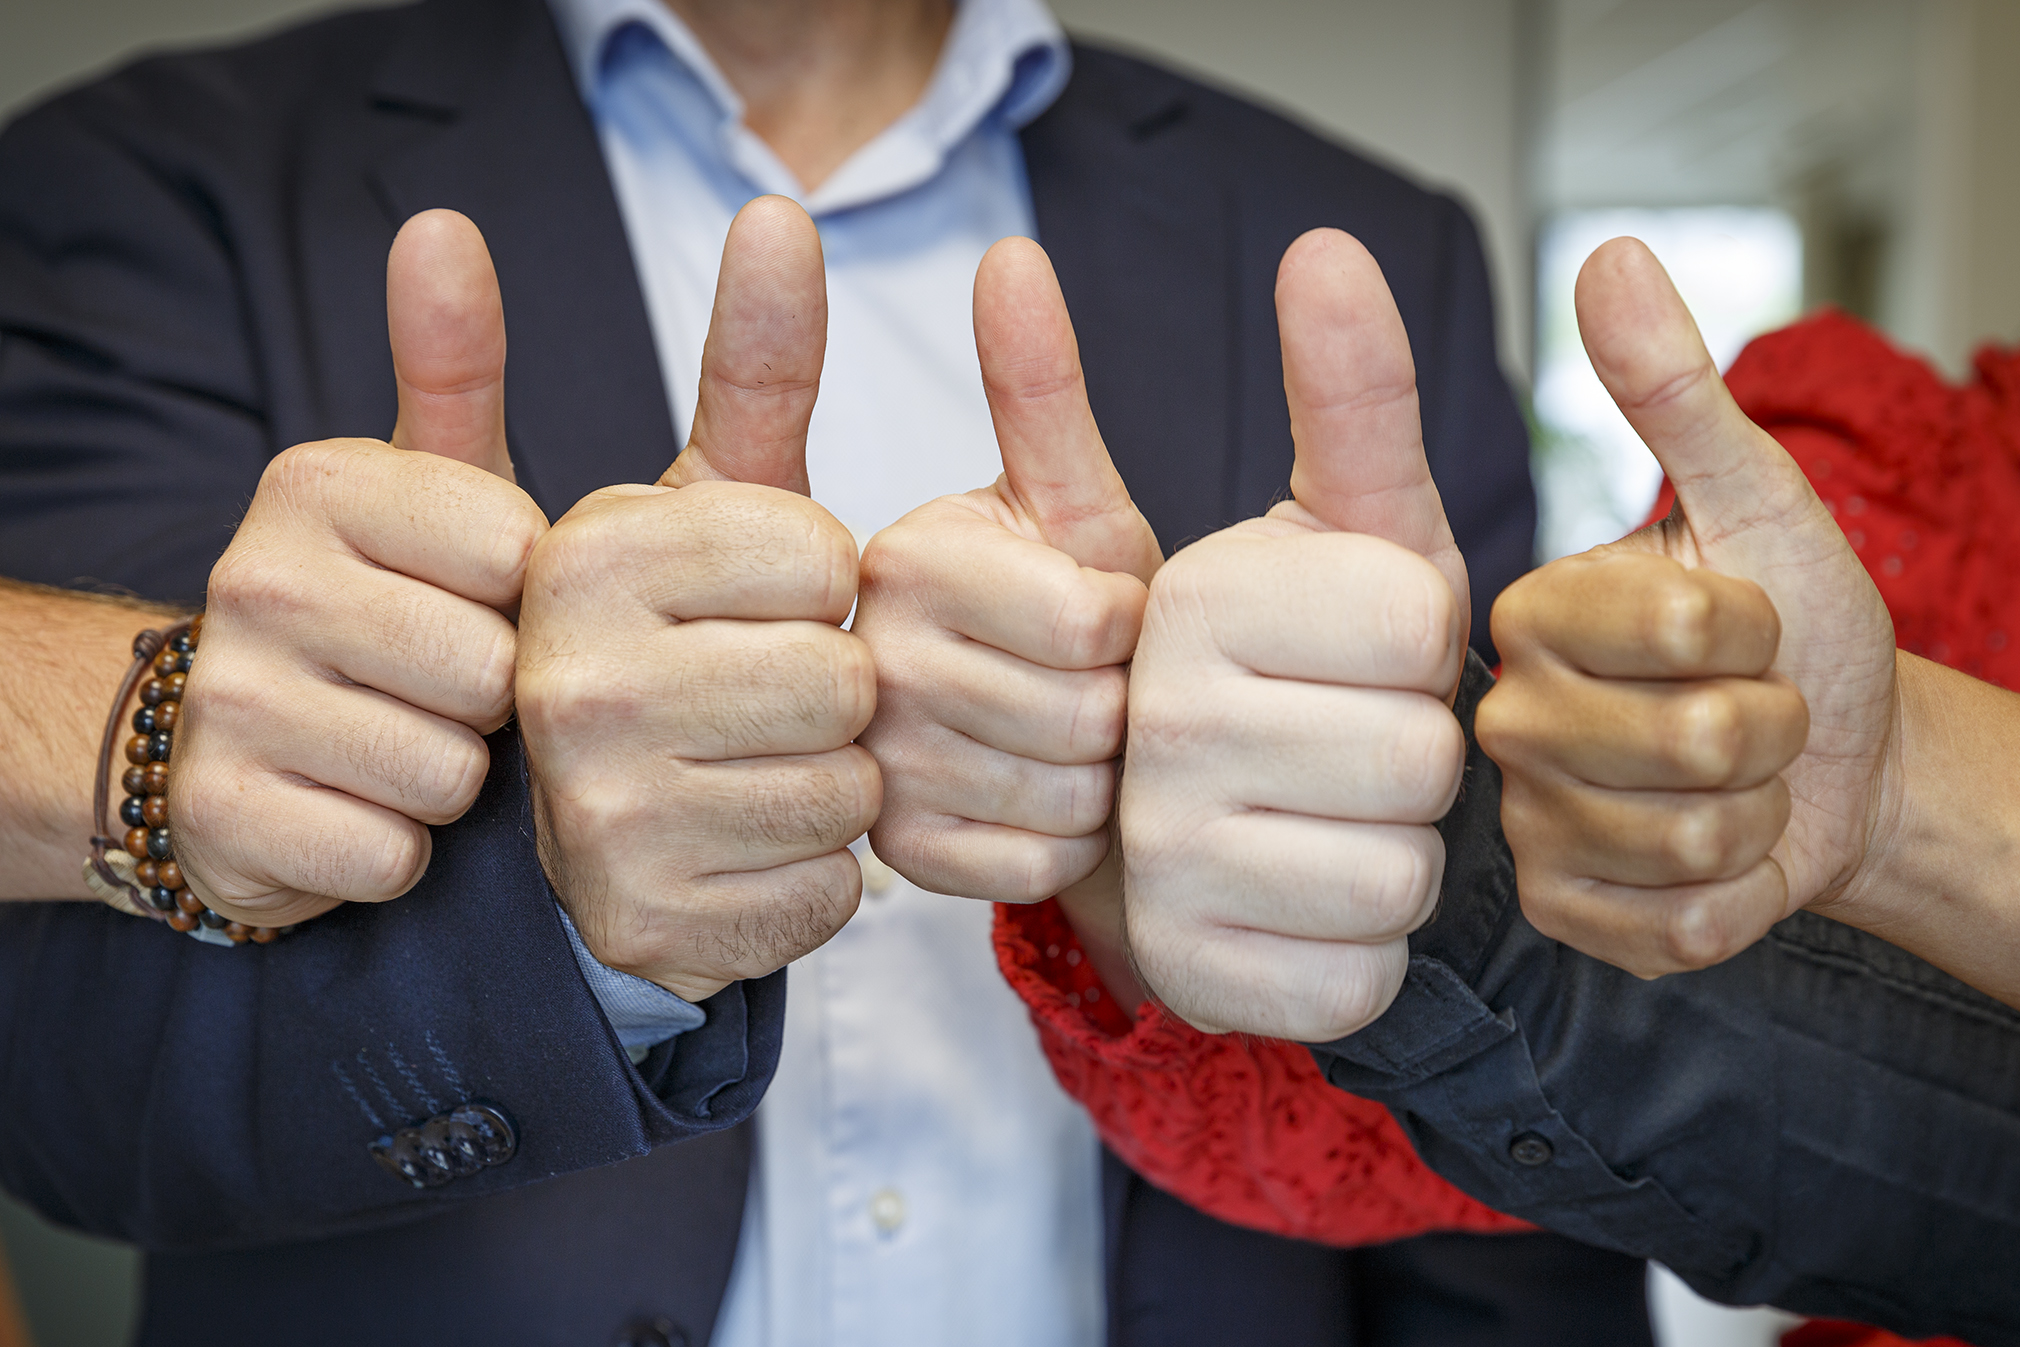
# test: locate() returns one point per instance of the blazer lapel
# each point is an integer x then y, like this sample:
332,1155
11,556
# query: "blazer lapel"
501,135
1143,250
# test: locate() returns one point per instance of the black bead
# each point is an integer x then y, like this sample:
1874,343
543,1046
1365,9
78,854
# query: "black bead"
213,920
129,811
143,720
158,846
157,745
160,899
181,644
182,662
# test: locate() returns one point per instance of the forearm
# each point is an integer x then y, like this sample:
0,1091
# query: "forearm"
67,654
1939,877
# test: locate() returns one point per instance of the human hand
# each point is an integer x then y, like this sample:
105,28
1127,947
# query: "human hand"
1691,723
1291,742
357,643
1002,621
686,691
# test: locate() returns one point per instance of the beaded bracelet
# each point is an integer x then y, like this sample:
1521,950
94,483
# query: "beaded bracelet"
153,883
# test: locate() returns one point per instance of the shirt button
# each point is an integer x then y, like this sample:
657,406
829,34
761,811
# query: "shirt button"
1530,1149
877,876
887,1210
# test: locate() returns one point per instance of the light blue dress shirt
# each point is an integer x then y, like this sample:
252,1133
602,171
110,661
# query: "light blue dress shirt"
920,1179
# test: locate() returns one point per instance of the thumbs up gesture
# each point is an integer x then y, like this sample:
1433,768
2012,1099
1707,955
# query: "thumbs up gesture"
686,691
357,643
1291,741
1002,620
1692,723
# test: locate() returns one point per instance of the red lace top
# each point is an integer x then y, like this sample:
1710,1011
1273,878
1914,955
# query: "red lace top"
1922,475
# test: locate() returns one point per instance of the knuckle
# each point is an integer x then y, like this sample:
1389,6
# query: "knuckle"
806,905
1681,620
1420,621
301,473
1357,985
386,870
1406,884
579,552
453,780
1497,725
1425,759
1709,736
1090,796
513,541
1701,839
255,583
1512,619
820,802
1697,933
1098,717
1083,630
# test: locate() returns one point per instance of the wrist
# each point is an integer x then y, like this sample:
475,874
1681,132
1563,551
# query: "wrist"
1093,907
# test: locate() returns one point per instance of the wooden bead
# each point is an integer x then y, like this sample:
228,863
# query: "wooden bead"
195,629
136,842
136,748
265,935
154,778
166,714
238,931
147,874
182,921
154,812
188,902
152,691
164,663
167,874
135,780
175,683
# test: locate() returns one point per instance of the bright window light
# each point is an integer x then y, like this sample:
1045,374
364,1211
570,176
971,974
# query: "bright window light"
1740,269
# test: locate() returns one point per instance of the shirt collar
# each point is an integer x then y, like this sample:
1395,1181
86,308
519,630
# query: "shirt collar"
1003,60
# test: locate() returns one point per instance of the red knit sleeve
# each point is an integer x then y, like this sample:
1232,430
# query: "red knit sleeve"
1245,1129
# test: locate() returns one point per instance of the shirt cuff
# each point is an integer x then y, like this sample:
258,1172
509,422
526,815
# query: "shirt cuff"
642,1013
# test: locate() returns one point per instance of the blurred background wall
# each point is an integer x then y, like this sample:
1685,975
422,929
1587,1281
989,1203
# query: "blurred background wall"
1778,154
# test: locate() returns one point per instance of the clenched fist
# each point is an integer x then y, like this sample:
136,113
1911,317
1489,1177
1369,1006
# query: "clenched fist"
1692,722
1002,621
688,696
358,641
1291,741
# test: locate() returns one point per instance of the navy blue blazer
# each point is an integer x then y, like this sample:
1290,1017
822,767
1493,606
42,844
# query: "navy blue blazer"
191,279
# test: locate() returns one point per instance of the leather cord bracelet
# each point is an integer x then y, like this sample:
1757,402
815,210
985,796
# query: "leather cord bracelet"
140,868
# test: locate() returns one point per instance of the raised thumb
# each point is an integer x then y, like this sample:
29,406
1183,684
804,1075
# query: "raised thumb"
1731,477
447,328
1352,390
761,364
1056,469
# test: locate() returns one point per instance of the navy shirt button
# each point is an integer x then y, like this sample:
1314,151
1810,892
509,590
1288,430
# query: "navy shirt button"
657,1331
1530,1149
